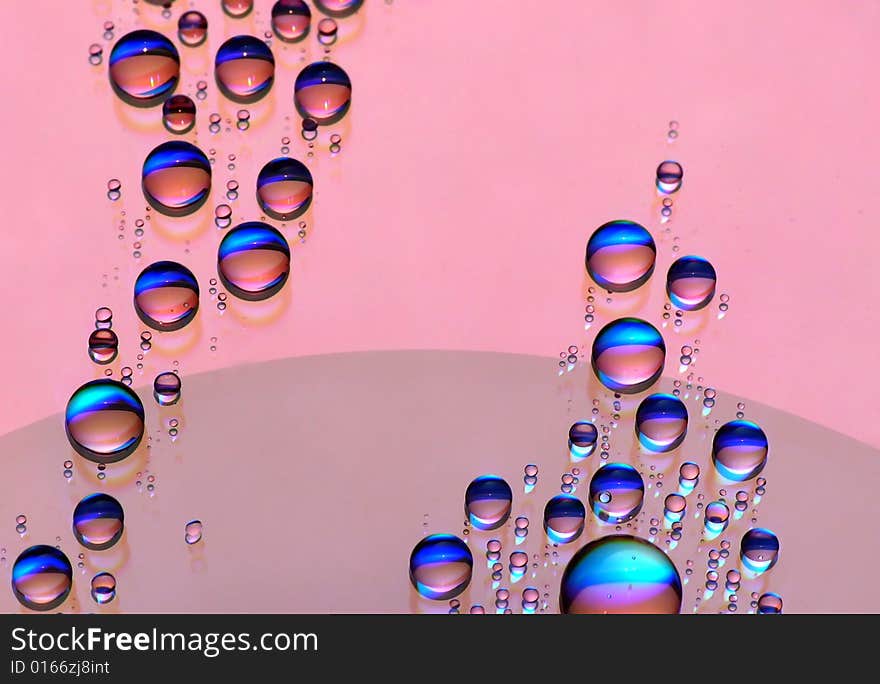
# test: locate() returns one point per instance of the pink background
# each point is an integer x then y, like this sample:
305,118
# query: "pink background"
486,141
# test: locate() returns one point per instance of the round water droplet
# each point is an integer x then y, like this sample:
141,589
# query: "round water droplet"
628,355
440,566
103,588
564,517
620,256
339,8
104,421
616,492
253,261
166,296
674,507
620,574
487,502
739,450
166,388
176,178
327,30
661,422
237,8
144,68
284,188
96,54
716,517
759,549
322,92
769,604
669,177
41,578
244,69
582,437
179,114
103,346
192,28
98,521
291,20
193,532
690,283
688,474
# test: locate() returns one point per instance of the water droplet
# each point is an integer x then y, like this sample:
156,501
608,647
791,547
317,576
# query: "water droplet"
166,296
237,8
176,178
322,92
628,355
669,177
223,216
166,388
616,492
674,507
620,256
769,604
253,261
98,521
103,588
716,517
179,114
104,421
244,69
144,68
192,28
739,450
688,476
661,422
284,188
440,566
564,517
103,346
96,54
759,549
487,502
41,578
339,8
620,574
327,31
690,283
291,20
193,532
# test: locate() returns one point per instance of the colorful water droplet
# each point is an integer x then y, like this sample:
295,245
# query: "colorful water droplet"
769,604
166,388
176,178
244,69
688,476
440,566
179,114
98,521
103,588
41,577
674,507
661,422
339,8
487,502
582,439
620,574
322,92
739,450
716,517
284,188
759,550
628,355
564,517
144,68
291,20
104,421
166,296
327,31
669,177
253,261
620,256
192,28
690,283
617,492
103,346
193,532
237,8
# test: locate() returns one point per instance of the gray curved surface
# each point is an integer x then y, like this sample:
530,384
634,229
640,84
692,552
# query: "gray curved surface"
315,476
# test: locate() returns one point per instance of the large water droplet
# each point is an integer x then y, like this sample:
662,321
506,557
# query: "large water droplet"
166,296
487,502
41,578
284,188
628,355
144,68
98,521
616,492
253,261
322,92
291,20
661,422
564,517
620,256
192,28
244,69
104,421
440,566
690,283
176,178
739,450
